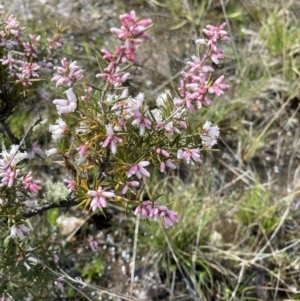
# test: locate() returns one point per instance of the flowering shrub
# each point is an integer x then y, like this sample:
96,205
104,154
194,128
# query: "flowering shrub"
109,140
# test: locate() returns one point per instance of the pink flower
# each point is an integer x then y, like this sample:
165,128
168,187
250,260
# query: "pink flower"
144,209
216,55
67,74
19,230
71,184
23,79
154,210
8,176
59,283
11,62
12,27
169,217
189,155
216,33
55,258
35,150
131,29
114,75
64,106
29,69
93,244
139,170
217,87
162,151
111,139
31,48
99,198
141,121
82,149
30,184
198,66
165,164
129,184
54,42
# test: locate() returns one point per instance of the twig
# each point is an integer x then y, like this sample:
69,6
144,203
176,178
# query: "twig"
4,128
68,279
136,232
238,282
38,120
64,203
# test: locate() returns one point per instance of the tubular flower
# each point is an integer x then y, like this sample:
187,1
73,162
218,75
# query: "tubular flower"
189,155
111,140
71,184
139,170
67,74
30,184
209,135
19,230
8,176
58,129
155,211
65,106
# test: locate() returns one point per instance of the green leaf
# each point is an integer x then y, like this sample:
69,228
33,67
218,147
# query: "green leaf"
52,215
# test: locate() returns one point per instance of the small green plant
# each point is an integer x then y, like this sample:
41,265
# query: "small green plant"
257,207
93,269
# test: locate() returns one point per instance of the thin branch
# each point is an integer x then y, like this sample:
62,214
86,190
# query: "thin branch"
62,204
5,129
37,121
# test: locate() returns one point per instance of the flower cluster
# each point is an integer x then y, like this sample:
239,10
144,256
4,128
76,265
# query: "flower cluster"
132,32
23,57
11,176
118,136
196,83
147,209
117,139
67,74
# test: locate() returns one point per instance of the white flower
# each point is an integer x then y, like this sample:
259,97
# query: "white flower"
58,129
19,230
51,151
65,106
162,99
30,203
209,135
212,131
12,158
157,115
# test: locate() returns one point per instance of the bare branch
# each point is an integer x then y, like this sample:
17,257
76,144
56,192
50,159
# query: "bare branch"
5,129
69,202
